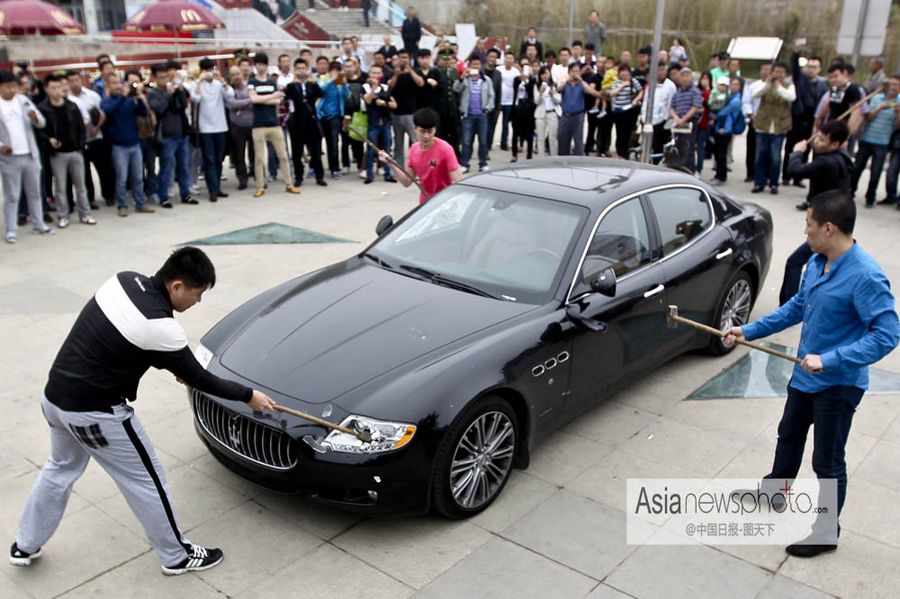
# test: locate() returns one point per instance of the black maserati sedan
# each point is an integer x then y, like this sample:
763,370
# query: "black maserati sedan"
505,306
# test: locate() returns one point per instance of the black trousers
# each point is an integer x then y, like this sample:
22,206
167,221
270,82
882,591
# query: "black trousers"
796,134
593,131
241,139
449,131
349,146
520,135
331,129
604,135
661,136
750,161
99,153
625,122
793,273
721,154
306,135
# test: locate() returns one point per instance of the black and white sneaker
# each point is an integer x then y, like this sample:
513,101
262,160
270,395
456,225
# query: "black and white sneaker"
200,559
17,557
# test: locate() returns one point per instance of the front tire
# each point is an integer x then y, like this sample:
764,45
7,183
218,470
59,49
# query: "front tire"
475,459
734,310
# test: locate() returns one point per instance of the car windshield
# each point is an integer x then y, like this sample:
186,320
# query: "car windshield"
506,246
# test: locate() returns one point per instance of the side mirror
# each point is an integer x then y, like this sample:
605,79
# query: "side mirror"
384,224
604,282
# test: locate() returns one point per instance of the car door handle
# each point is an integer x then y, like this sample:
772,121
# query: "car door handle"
655,291
724,254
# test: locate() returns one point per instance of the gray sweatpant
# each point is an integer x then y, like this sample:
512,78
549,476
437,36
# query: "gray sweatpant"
18,172
402,123
119,444
72,164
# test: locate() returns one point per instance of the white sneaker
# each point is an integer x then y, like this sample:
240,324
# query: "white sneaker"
17,557
10,238
482,169
464,170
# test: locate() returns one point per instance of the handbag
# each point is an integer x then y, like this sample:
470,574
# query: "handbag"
360,122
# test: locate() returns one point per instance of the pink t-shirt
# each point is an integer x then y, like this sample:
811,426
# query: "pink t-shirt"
433,167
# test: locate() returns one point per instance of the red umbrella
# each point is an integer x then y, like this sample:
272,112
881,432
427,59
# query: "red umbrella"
173,15
23,17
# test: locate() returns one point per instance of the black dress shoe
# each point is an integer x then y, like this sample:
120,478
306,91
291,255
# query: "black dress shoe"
773,190
368,181
94,206
885,202
799,184
321,183
222,194
48,218
242,185
22,219
803,206
189,200
166,204
110,202
870,204
801,550
748,179
756,189
390,180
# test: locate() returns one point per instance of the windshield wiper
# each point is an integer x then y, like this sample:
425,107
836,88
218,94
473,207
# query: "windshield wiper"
377,260
440,279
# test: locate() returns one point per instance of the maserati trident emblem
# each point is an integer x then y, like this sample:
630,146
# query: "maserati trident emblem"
234,432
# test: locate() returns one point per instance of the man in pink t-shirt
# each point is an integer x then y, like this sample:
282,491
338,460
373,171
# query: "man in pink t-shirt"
432,160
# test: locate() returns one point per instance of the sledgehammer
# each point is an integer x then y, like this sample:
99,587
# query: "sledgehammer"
672,320
364,436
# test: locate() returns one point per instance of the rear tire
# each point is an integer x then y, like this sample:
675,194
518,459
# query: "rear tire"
475,459
734,310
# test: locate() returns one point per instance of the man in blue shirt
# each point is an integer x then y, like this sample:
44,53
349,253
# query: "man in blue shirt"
849,322
121,108
571,124
881,121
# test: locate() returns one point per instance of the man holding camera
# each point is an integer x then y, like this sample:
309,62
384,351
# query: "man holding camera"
571,125
121,109
209,95
169,100
476,102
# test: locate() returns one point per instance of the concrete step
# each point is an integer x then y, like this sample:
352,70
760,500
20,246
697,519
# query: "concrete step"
342,23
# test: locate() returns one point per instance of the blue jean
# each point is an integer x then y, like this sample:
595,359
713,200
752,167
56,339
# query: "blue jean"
768,159
175,152
830,413
380,135
128,161
213,154
472,125
506,111
877,154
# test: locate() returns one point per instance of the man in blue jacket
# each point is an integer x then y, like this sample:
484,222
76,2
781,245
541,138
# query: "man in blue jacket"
120,109
849,322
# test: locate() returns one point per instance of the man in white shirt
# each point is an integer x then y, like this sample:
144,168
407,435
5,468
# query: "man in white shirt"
560,71
508,74
209,95
750,106
662,96
89,102
19,157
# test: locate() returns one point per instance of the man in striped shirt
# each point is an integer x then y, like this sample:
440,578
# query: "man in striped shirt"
127,327
685,108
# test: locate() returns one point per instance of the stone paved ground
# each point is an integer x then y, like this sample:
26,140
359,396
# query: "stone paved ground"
557,531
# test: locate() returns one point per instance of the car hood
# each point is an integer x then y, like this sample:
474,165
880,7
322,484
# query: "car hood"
351,323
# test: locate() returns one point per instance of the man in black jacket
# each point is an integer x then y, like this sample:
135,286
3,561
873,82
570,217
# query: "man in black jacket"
810,88
169,100
303,125
66,135
127,327
831,168
411,32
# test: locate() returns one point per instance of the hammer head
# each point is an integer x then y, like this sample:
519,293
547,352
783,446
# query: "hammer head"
671,323
364,436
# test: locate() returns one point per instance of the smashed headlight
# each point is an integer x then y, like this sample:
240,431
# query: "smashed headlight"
386,436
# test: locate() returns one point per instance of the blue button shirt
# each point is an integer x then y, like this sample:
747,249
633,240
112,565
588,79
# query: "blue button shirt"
848,319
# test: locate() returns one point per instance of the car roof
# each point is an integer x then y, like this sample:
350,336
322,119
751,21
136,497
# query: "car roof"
583,180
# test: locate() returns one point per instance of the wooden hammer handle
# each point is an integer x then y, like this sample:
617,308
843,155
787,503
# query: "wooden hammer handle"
322,422
712,331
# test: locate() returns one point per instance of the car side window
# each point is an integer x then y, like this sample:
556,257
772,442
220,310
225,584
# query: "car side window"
622,238
682,214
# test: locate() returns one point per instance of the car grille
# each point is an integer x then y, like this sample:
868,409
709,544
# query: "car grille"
256,442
